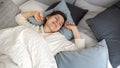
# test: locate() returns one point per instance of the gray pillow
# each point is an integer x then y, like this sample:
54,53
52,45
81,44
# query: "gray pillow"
8,10
50,2
93,57
106,25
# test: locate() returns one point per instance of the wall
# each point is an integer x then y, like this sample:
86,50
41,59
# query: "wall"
19,2
103,3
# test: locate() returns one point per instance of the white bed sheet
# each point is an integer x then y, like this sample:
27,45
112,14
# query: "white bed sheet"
22,47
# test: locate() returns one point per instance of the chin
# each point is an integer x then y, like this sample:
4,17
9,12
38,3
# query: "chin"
54,31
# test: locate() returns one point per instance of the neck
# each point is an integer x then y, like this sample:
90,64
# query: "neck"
46,29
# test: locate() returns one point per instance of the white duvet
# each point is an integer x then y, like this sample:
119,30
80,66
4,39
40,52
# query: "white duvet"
21,47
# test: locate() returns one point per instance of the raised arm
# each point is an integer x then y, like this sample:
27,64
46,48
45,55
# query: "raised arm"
74,29
79,41
28,14
38,15
21,18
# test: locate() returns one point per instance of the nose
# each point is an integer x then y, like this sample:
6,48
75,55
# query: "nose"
57,22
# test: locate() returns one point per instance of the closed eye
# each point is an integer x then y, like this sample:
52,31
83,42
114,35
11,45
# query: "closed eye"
59,21
56,17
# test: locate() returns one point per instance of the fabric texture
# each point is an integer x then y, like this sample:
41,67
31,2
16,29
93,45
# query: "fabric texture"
19,44
86,5
106,25
33,5
8,10
76,12
93,57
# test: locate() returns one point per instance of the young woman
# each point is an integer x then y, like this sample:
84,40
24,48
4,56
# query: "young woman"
53,22
30,46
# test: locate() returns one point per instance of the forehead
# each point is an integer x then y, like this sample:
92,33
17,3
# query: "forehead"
60,16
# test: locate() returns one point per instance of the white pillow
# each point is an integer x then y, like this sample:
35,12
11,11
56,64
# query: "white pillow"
33,6
85,5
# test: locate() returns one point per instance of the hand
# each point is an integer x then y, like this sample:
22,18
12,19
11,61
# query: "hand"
73,28
70,25
38,16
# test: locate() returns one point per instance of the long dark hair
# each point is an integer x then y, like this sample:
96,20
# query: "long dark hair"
55,13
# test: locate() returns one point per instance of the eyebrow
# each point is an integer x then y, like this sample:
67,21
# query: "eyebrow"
59,17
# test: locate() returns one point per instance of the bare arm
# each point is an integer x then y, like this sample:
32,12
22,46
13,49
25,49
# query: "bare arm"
28,14
21,19
74,29
38,15
79,41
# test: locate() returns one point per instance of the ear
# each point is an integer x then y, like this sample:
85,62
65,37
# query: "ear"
47,17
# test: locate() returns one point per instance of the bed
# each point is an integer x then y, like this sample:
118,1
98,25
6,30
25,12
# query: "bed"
96,53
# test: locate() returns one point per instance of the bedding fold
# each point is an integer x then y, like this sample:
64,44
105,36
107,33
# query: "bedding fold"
25,48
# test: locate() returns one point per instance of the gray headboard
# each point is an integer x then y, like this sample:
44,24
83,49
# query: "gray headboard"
8,10
103,3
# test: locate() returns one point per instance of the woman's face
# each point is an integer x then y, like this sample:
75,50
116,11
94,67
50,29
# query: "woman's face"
55,22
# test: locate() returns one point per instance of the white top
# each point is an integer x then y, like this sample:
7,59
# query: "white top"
57,42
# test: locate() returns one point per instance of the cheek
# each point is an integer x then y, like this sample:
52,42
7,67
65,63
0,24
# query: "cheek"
49,20
57,29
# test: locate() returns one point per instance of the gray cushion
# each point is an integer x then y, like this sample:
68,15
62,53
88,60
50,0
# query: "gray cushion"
106,25
50,2
8,10
93,57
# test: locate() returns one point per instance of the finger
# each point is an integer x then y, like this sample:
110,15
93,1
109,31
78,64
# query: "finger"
70,23
41,18
41,15
36,15
67,22
37,18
